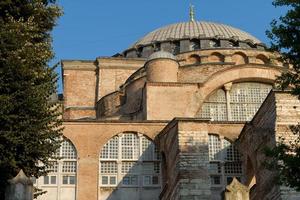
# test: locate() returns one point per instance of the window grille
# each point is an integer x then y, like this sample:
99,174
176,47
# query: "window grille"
244,99
109,167
215,107
231,153
129,167
53,167
148,149
130,146
214,147
110,149
68,150
69,166
139,157
233,168
224,161
63,171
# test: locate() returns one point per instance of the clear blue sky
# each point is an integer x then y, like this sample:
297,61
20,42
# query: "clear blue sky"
92,28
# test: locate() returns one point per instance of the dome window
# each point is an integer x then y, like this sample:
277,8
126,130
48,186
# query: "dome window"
175,47
157,47
214,43
194,45
233,44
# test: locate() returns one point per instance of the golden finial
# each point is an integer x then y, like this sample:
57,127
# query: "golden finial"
192,13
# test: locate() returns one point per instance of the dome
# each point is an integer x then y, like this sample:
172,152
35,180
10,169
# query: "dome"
193,35
195,29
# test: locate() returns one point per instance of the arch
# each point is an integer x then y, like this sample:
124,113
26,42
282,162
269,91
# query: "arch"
239,58
129,159
216,57
194,59
262,59
242,73
239,74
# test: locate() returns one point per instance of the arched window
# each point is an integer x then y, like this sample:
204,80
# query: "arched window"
215,106
239,58
60,182
239,102
216,57
193,59
224,161
129,160
262,59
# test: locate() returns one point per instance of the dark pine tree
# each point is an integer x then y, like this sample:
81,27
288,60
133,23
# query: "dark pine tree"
30,124
285,36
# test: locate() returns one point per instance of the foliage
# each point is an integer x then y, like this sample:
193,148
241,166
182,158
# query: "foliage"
30,128
286,159
285,36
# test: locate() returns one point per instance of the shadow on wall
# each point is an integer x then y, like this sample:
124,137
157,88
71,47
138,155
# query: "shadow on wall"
129,168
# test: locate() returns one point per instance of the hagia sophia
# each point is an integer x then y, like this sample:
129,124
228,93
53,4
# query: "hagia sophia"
183,114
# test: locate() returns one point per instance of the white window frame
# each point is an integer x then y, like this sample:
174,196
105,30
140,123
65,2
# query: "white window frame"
58,171
221,161
246,107
137,161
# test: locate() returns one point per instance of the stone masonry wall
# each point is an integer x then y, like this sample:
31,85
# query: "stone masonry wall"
189,153
287,113
272,121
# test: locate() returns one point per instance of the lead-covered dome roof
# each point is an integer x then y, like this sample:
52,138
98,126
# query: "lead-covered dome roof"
195,29
197,35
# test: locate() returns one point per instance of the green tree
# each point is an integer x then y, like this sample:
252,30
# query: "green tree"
30,127
285,36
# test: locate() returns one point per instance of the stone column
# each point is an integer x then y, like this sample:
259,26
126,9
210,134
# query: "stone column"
227,88
19,188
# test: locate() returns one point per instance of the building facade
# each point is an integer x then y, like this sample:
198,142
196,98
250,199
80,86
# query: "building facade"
160,120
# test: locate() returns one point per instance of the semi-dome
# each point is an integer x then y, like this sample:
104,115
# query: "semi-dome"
192,35
195,29
161,54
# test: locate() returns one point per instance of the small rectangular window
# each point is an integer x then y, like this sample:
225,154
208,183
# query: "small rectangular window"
69,180
215,180
53,180
104,180
155,180
130,180
113,180
65,179
46,180
72,180
149,180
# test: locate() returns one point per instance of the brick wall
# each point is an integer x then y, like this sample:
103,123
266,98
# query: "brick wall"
272,121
